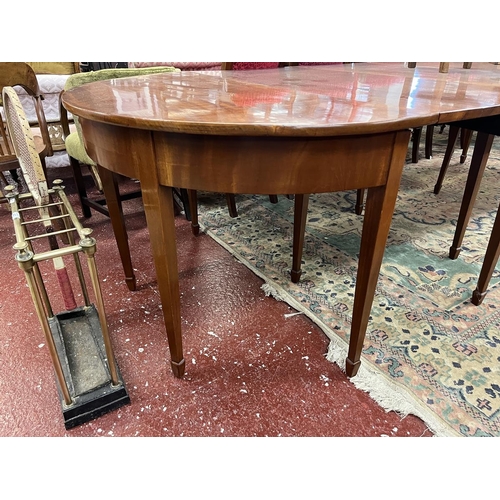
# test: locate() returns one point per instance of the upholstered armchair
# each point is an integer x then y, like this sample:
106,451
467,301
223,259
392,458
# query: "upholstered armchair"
51,78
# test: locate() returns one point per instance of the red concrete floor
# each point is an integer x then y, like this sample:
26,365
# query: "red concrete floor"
250,371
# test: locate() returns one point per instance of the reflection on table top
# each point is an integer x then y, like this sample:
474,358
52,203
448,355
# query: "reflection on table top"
332,100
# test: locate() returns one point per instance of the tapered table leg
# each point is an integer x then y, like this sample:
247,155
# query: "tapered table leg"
379,209
159,209
450,146
480,156
160,219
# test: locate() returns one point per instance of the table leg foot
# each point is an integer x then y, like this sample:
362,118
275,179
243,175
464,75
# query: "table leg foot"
351,367
178,368
454,252
477,297
295,276
131,283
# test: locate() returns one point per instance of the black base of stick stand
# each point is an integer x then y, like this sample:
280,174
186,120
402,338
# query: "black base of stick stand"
80,347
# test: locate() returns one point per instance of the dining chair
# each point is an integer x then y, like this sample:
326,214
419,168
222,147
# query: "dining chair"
20,74
106,182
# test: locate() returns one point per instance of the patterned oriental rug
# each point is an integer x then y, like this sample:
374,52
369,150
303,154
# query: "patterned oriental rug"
428,350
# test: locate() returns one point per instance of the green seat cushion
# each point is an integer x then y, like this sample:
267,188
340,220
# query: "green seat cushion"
109,74
53,68
75,148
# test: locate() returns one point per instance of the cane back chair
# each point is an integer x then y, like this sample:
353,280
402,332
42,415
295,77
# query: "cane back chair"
13,74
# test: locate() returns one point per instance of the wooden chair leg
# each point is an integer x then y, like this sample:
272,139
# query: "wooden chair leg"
360,199
231,205
299,227
417,133
44,167
480,156
193,208
465,138
14,174
273,198
452,139
185,203
113,201
429,134
80,185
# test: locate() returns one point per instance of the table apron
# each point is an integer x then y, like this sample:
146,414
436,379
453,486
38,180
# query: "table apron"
235,164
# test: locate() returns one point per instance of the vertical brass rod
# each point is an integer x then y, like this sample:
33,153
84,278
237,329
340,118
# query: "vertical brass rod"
48,336
102,318
58,189
39,282
21,234
81,278
42,291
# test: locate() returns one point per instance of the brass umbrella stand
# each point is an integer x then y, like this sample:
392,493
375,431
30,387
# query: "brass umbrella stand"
88,378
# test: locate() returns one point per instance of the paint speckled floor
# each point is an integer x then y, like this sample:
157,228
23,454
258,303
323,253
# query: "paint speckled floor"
250,369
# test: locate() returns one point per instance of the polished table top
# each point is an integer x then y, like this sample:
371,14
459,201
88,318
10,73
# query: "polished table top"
296,130
360,98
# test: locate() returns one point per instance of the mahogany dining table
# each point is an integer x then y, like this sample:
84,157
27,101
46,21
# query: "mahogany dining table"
293,130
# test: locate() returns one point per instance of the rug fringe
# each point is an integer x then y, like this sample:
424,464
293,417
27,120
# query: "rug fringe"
390,396
272,291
